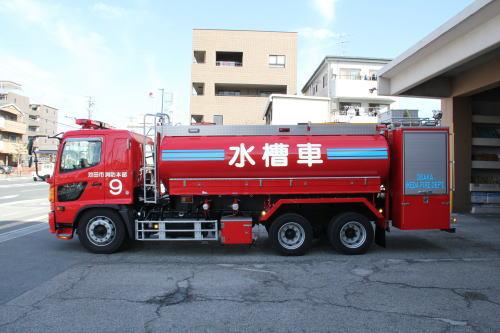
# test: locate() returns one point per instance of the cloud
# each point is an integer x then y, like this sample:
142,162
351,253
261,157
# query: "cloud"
31,11
108,11
325,8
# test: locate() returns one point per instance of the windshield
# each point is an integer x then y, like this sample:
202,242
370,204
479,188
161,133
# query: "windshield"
80,154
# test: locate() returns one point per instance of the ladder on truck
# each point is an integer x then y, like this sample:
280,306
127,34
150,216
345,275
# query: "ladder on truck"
149,170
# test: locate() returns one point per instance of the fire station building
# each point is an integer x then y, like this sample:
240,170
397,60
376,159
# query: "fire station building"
460,63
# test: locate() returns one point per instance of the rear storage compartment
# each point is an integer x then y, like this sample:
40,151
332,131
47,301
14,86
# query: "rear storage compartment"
420,178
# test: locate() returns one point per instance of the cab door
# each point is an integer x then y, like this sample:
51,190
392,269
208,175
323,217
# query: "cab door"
119,174
79,179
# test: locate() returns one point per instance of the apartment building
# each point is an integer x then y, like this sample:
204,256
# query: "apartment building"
351,85
42,120
234,72
12,131
35,119
13,110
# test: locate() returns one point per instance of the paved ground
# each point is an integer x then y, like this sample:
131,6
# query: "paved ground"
423,281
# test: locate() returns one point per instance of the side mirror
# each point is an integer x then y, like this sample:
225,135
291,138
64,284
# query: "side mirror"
30,162
30,146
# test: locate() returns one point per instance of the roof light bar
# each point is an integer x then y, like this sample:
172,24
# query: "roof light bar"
92,124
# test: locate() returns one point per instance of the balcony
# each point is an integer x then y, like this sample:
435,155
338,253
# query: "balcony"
7,147
230,59
248,90
12,126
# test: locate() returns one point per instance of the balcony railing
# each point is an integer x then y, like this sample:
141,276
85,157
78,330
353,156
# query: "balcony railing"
357,77
361,111
228,63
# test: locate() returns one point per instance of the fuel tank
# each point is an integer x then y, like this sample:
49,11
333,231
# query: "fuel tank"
273,156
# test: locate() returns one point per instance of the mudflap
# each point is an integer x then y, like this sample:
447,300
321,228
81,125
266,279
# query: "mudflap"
380,236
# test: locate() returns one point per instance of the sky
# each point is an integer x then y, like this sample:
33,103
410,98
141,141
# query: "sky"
120,51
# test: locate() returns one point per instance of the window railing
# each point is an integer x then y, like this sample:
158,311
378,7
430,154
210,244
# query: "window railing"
228,63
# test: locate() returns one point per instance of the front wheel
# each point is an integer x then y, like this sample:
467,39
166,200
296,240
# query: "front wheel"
101,231
350,233
291,234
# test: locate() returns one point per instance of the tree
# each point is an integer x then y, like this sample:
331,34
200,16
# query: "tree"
19,151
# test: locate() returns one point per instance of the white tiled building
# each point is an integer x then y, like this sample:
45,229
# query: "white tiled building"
351,85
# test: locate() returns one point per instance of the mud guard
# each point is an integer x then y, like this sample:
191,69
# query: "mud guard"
380,236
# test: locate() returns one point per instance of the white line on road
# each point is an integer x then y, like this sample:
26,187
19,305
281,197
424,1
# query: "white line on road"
254,270
19,215
9,196
38,189
22,185
22,202
35,219
23,232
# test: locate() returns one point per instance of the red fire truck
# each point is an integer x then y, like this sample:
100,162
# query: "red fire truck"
347,182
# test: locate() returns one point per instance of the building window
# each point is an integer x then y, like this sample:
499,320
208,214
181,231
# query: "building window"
198,89
196,118
276,61
231,59
199,57
324,80
224,92
218,119
264,93
375,109
3,97
350,74
349,109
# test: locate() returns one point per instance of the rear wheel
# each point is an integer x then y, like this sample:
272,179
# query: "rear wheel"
350,233
291,234
101,231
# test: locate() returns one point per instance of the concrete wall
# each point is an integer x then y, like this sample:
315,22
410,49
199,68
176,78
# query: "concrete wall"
291,111
457,114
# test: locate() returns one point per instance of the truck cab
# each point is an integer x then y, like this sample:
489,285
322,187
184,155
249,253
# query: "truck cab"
96,173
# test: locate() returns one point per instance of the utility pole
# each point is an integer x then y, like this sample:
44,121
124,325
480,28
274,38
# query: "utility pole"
90,105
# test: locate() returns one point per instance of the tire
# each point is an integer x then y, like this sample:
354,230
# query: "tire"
291,234
101,231
350,233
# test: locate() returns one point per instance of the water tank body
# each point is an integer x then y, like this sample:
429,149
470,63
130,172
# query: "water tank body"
276,156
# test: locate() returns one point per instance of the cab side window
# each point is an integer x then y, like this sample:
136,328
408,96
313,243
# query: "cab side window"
80,154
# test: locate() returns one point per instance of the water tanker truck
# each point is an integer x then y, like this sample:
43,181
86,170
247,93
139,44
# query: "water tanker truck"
210,183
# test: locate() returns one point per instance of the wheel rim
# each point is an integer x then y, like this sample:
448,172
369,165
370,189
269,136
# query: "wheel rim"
291,235
101,230
353,234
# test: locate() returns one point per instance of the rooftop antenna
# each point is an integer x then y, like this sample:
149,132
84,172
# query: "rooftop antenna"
90,105
342,43
166,101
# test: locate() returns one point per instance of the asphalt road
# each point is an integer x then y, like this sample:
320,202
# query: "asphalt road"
423,281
